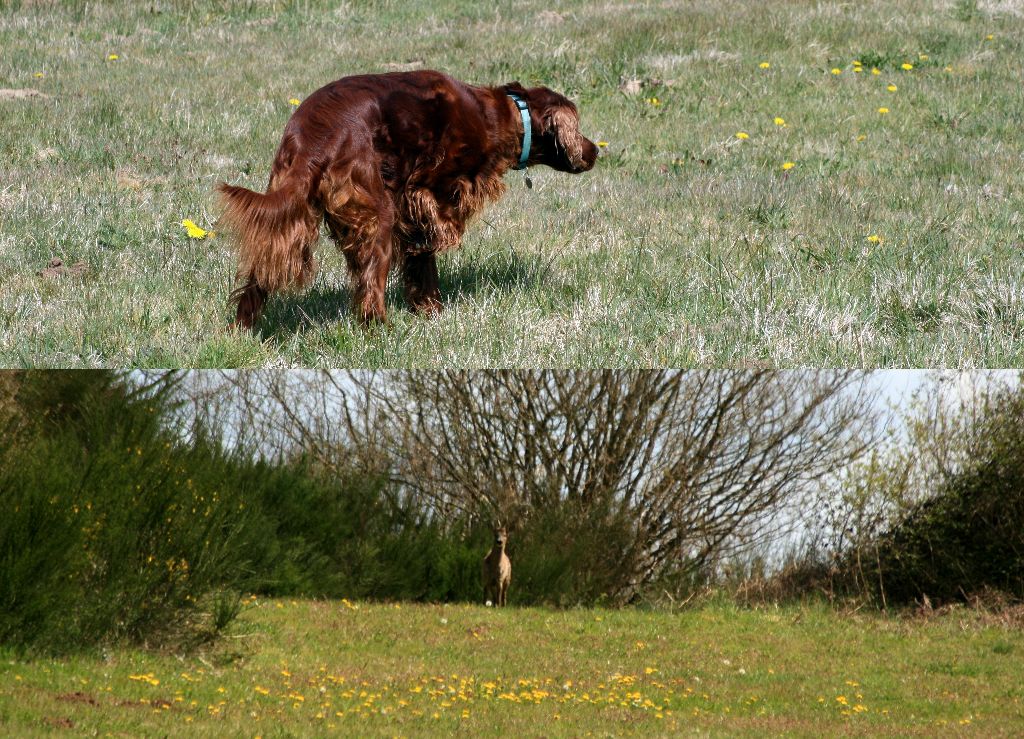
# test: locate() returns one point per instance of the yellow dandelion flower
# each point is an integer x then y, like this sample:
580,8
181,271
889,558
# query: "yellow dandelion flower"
780,121
112,57
654,101
989,37
294,101
742,135
39,75
907,66
883,111
876,71
875,239
862,137
602,144
891,88
194,231
947,69
922,57
858,70
786,166
836,70
764,65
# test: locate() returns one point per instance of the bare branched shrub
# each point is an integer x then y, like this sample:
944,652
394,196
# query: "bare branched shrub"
689,465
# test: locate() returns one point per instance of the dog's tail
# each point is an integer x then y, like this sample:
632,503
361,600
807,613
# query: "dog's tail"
275,233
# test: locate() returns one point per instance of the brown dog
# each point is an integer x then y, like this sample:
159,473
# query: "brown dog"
396,164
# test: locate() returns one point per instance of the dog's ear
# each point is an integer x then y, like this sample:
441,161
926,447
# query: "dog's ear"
561,120
515,87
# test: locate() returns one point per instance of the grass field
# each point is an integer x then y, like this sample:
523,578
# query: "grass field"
896,238
299,668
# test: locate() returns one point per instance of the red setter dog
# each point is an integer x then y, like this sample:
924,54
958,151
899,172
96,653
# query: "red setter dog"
396,164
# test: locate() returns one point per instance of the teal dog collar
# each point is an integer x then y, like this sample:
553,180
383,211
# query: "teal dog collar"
524,111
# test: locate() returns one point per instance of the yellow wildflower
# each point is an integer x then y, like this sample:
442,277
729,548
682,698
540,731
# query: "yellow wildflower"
39,75
780,121
989,37
602,144
742,136
907,66
836,70
883,111
891,88
194,231
764,65
294,101
786,166
875,239
112,57
876,71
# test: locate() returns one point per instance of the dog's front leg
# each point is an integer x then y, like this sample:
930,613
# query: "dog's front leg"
419,272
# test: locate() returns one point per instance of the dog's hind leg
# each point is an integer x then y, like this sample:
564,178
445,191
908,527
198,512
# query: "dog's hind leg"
250,299
372,267
276,232
361,219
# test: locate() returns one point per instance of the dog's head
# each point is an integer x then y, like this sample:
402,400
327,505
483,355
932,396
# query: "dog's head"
555,127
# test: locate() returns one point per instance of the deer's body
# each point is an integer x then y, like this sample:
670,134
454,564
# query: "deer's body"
497,570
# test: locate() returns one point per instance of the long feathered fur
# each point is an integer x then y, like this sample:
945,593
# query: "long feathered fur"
275,235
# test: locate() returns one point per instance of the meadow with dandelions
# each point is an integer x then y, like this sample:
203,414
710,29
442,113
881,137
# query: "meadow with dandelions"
782,183
300,667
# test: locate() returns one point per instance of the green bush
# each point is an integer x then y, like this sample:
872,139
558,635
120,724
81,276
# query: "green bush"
970,537
114,529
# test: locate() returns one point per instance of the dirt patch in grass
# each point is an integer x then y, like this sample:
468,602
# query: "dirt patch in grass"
20,94
78,697
55,268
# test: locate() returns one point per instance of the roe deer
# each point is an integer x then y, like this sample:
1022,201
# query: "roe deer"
497,569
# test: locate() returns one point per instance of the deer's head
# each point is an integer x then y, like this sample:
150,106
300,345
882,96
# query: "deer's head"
500,536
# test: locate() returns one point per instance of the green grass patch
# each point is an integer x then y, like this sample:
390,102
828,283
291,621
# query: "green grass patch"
685,246
297,667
